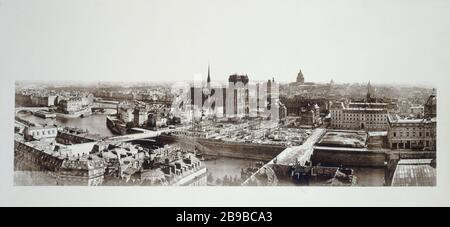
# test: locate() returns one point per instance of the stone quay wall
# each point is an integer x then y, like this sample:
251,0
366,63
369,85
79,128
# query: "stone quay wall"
349,158
27,158
70,138
370,158
262,152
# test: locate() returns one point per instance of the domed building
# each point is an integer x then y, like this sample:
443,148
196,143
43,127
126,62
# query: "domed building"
300,78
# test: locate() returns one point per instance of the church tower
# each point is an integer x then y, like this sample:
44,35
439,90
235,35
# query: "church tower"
430,106
369,93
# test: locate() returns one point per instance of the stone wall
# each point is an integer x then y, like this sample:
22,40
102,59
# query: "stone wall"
371,158
261,152
349,158
27,158
69,138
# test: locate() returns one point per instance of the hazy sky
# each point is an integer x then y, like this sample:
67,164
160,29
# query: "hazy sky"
400,41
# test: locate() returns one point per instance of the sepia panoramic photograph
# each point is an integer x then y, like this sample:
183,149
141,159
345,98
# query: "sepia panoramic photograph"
203,134
224,109
213,93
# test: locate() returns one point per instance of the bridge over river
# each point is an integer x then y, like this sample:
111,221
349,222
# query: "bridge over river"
143,134
287,158
33,109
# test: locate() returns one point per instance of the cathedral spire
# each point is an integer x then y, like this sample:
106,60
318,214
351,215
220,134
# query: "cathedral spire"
208,80
209,74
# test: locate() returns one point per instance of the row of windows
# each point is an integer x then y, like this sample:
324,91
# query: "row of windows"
362,117
48,132
357,122
355,115
359,119
367,118
411,129
352,125
410,144
408,134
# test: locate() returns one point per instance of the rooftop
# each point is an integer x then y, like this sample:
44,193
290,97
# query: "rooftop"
368,104
393,118
383,133
42,127
414,172
365,109
341,138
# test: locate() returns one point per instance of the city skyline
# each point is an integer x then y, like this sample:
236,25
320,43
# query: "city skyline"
302,135
350,41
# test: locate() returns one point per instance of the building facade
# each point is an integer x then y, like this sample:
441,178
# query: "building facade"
125,114
239,95
415,134
71,106
310,116
46,101
40,132
359,116
140,116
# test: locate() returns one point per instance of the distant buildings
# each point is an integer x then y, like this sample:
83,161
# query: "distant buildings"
239,95
240,99
407,109
417,111
76,104
140,116
68,102
300,86
36,100
300,81
126,115
71,106
44,100
404,107
310,116
156,93
369,96
303,112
